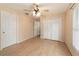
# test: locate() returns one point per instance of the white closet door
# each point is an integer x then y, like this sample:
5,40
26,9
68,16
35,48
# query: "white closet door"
8,29
36,28
56,29
44,29
3,34
49,29
52,28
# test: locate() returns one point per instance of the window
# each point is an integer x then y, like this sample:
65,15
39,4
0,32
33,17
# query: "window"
76,28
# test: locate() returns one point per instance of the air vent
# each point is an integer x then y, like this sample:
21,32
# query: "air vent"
27,13
46,10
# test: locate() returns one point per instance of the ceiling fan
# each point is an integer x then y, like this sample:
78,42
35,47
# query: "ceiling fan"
35,9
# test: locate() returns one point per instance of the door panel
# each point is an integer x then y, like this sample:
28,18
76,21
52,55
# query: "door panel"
8,25
3,34
36,28
52,28
56,29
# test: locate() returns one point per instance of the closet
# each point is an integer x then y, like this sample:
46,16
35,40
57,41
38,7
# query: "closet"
36,27
8,30
51,28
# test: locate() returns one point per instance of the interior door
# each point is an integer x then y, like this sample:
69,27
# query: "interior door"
8,29
52,28
36,27
56,28
44,29
49,29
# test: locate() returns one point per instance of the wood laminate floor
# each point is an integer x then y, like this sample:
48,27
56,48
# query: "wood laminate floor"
37,47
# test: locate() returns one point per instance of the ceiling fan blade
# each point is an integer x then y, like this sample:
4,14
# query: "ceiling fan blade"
27,10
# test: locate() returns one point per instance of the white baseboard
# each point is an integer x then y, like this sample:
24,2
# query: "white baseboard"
1,48
24,39
18,42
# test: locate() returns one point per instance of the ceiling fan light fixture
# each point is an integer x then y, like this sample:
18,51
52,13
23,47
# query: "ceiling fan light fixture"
36,14
36,11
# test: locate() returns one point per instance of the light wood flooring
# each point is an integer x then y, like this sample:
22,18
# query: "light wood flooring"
37,47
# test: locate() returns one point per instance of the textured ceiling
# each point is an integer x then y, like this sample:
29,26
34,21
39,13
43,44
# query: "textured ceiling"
51,7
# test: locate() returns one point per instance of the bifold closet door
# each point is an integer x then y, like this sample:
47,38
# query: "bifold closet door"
56,29
36,28
8,29
51,29
44,29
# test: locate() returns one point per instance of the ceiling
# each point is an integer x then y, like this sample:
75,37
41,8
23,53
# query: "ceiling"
55,7
51,7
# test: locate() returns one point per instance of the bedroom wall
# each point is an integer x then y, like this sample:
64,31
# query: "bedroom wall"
25,27
69,31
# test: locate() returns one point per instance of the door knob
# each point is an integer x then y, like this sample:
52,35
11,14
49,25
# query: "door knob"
3,32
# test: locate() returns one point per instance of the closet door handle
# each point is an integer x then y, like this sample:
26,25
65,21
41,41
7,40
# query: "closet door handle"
3,32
